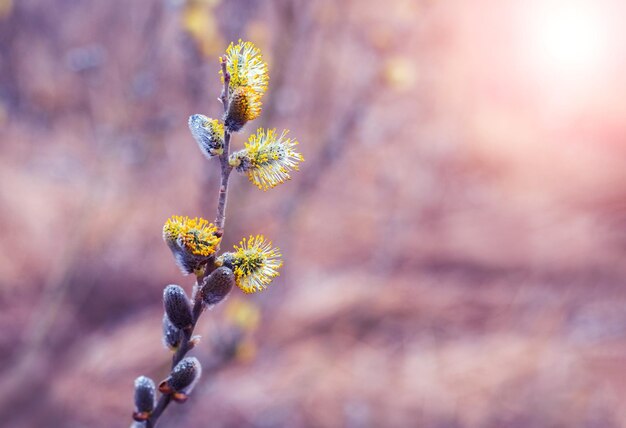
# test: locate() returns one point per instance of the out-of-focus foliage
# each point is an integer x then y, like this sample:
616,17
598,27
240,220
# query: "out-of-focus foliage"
199,21
453,243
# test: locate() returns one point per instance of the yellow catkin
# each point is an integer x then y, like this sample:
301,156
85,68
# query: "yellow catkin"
196,235
267,158
244,106
246,67
255,263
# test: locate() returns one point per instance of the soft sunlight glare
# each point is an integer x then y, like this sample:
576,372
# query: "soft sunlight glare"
568,39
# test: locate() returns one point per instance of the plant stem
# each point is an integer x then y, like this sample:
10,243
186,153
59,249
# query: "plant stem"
198,306
223,193
226,75
224,165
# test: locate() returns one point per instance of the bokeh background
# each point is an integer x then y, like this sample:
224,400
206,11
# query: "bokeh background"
454,244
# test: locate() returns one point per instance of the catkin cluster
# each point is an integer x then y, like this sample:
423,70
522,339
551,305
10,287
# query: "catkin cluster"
267,158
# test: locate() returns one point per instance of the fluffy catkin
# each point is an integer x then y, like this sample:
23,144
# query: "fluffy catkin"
217,285
177,307
185,375
144,394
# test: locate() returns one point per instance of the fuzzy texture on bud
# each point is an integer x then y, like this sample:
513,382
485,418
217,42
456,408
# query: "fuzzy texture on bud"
244,105
183,377
208,133
177,307
145,396
267,158
217,285
171,334
192,241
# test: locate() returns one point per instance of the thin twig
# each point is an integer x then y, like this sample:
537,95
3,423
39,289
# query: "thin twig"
198,306
221,201
226,75
224,165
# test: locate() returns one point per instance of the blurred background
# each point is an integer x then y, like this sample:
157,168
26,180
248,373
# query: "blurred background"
454,244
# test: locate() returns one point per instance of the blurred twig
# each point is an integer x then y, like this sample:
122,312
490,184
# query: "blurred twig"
293,24
341,127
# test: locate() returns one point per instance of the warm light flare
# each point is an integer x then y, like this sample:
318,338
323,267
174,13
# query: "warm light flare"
567,39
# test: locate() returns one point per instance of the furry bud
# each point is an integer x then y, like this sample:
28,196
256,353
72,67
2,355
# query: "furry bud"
144,398
217,285
182,379
177,307
208,133
171,334
227,260
244,105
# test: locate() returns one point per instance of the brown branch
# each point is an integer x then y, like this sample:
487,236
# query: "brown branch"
221,200
198,307
225,166
226,75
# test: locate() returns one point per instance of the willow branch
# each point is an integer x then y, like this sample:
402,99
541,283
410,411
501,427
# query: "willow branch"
224,165
186,343
226,75
223,193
